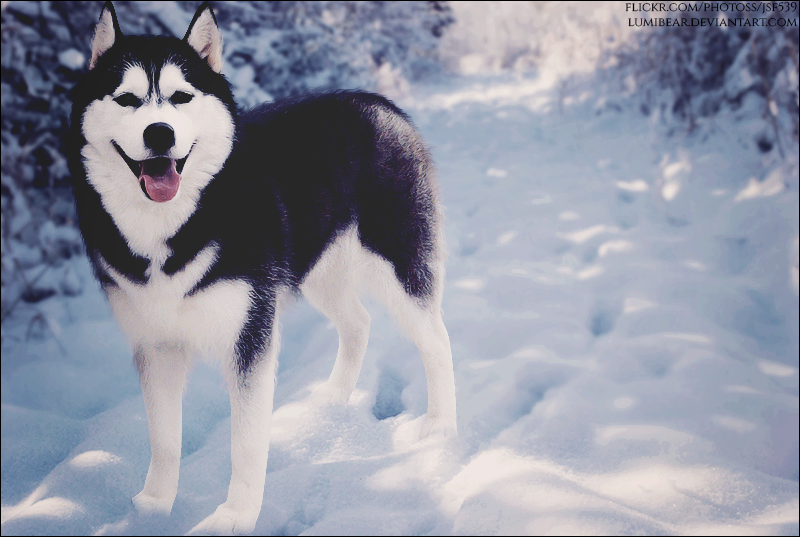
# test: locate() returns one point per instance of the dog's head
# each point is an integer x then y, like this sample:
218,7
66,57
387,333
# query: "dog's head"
156,115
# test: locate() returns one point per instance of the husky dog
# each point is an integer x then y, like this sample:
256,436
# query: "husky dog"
199,220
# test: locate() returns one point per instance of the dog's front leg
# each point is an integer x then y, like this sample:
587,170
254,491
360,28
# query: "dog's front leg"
251,418
162,374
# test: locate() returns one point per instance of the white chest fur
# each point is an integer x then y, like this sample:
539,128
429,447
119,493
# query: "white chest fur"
160,311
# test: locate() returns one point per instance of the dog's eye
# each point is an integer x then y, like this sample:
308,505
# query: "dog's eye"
181,97
128,99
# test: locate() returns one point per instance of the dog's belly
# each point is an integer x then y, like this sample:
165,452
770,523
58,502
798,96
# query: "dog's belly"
161,312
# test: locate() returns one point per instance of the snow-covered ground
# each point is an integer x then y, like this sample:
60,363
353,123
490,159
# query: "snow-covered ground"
622,307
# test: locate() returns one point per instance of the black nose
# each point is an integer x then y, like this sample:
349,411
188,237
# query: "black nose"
159,137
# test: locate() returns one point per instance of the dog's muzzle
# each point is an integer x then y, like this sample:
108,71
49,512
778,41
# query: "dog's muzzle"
159,177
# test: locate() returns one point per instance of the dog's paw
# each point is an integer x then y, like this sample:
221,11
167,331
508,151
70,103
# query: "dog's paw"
228,521
329,394
438,427
150,505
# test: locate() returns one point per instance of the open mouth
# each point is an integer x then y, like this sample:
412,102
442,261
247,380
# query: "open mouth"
159,177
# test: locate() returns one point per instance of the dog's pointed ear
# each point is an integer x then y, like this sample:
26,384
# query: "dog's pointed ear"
203,36
106,33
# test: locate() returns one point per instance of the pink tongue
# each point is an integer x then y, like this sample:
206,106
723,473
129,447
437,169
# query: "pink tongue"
161,179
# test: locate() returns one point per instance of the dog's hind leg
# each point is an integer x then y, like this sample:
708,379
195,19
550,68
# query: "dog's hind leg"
162,374
421,320
352,323
331,289
425,327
